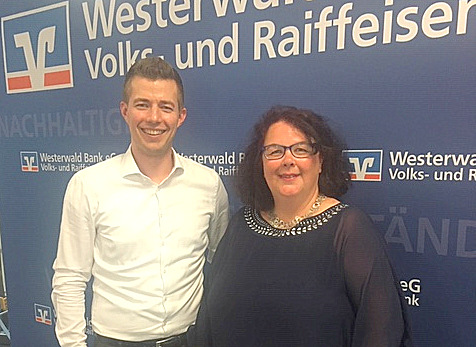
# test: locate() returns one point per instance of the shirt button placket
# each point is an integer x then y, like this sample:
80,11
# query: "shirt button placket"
162,266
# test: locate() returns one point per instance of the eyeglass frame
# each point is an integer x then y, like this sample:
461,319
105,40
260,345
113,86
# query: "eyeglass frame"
314,146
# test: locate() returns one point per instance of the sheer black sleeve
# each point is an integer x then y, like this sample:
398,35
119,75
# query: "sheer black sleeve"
380,317
200,334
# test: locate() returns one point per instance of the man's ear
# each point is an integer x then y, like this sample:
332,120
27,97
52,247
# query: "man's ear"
182,116
123,109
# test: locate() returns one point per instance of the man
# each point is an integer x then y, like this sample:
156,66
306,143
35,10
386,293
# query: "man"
140,224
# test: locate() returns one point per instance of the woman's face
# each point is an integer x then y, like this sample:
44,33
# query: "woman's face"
290,176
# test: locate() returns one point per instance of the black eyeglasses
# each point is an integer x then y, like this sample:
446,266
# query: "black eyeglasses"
298,150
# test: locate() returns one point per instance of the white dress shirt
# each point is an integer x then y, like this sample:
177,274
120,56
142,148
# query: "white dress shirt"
143,243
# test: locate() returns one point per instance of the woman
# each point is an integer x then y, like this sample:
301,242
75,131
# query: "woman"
297,267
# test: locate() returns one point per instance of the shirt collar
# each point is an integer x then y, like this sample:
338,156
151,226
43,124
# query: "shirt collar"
129,168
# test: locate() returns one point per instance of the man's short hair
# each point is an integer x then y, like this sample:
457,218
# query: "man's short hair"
153,68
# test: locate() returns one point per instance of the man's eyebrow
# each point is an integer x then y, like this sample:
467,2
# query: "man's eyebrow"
167,102
140,99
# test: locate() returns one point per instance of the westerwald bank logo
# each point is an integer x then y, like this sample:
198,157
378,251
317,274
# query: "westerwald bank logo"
29,161
43,314
366,164
37,49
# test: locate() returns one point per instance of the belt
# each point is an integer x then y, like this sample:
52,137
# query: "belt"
172,341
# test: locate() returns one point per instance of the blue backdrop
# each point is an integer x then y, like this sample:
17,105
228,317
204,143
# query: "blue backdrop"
396,79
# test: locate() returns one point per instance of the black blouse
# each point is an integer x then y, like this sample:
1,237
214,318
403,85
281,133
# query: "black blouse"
326,282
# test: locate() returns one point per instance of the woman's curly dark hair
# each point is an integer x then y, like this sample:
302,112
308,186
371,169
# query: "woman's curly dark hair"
334,179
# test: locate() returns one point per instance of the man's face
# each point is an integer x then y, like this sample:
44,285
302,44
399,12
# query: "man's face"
153,116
